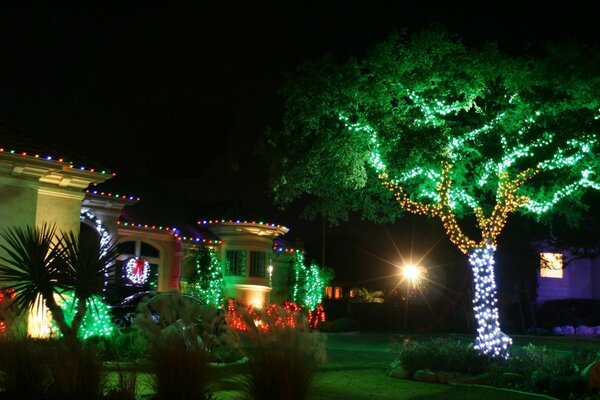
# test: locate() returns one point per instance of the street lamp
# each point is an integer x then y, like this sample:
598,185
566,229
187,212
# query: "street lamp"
412,274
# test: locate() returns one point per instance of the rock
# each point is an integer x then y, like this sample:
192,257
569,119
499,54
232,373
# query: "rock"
584,330
399,372
512,378
568,330
449,377
592,372
425,375
557,330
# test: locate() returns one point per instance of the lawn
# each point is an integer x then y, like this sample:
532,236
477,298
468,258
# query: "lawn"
356,366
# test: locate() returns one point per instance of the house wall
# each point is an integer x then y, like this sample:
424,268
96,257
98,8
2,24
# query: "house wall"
59,207
18,205
576,283
595,278
171,254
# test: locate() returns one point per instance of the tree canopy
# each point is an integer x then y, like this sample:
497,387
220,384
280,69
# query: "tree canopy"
453,131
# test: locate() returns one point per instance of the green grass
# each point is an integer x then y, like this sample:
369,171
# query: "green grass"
356,366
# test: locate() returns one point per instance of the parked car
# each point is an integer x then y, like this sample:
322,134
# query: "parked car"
165,308
124,312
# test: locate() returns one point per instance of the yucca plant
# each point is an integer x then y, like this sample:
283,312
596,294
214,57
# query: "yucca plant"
82,267
38,262
29,265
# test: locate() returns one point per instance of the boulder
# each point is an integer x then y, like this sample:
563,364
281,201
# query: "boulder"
449,377
399,372
557,330
568,330
425,375
584,330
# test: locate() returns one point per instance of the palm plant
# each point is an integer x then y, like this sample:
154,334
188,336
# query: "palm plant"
364,295
82,268
38,262
29,266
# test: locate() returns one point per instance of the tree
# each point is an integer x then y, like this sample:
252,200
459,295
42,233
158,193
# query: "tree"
207,280
364,295
309,283
41,262
463,134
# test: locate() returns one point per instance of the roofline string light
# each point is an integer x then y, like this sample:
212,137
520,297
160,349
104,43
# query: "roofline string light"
111,195
56,159
238,221
171,230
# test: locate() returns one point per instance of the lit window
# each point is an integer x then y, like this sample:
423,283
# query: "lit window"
236,262
337,294
329,292
333,292
551,265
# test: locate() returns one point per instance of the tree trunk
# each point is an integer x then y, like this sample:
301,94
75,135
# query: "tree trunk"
58,315
490,340
81,310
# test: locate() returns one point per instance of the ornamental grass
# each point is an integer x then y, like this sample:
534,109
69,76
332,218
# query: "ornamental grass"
282,359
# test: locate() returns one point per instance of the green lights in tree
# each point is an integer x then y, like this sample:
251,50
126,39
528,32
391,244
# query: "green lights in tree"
455,133
309,282
208,280
96,321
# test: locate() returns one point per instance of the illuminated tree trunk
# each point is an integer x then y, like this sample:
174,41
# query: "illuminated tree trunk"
490,340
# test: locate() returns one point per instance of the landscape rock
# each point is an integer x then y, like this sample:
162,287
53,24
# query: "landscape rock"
425,375
568,330
557,330
584,330
399,372
449,377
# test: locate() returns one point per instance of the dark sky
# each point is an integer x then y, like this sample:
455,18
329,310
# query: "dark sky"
175,96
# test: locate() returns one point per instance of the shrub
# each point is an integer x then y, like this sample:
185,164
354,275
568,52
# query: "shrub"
23,369
179,364
76,371
126,386
282,359
441,355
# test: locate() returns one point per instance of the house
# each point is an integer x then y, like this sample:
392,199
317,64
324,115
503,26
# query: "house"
36,188
563,275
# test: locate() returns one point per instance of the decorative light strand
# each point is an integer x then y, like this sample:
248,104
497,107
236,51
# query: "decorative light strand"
137,270
55,159
490,340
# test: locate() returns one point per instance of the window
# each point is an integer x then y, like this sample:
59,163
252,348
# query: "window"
236,262
335,292
258,261
551,265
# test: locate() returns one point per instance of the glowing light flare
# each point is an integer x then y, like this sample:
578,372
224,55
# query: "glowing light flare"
413,274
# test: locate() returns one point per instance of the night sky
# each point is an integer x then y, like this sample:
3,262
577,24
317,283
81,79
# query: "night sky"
173,98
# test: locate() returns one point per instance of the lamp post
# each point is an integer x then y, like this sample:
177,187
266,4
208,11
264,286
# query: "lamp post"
412,274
